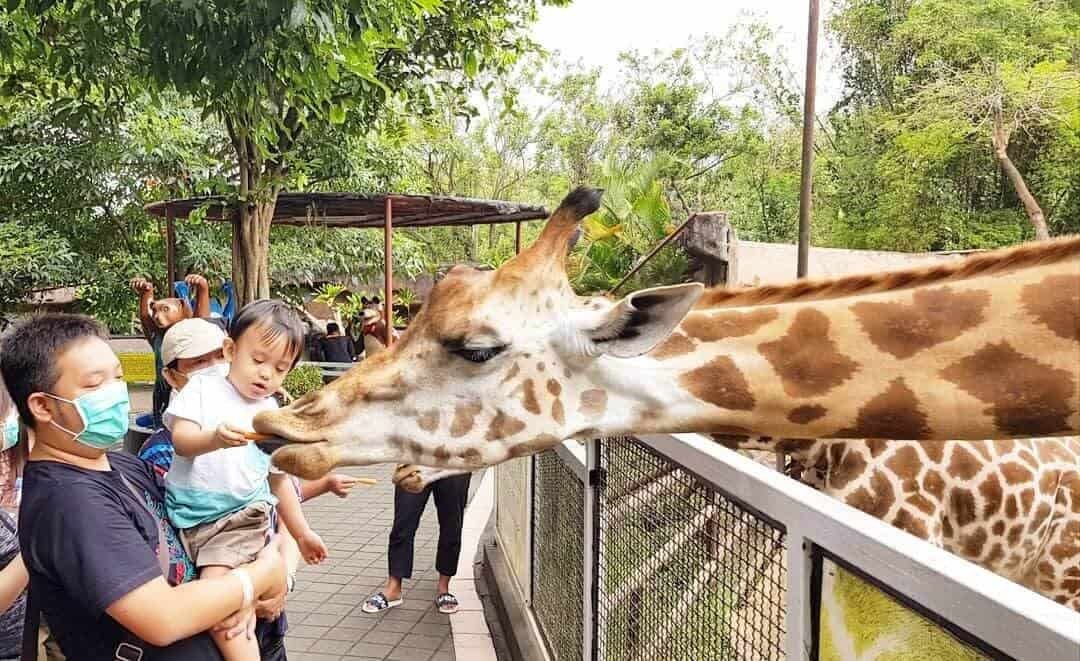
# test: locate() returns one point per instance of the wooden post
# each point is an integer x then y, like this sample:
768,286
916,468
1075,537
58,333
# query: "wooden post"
170,250
517,238
388,265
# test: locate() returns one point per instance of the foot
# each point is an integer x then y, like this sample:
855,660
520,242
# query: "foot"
446,603
379,602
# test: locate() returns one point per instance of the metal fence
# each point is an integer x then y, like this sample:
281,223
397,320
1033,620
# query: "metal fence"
671,547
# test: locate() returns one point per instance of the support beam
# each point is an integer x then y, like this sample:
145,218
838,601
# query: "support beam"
170,250
806,201
517,238
388,267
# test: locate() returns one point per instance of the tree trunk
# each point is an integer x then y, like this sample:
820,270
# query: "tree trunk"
251,251
1000,138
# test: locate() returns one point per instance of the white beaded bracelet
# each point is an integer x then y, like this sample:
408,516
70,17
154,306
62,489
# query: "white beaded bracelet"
247,585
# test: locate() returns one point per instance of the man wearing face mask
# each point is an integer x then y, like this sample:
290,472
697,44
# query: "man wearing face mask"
98,555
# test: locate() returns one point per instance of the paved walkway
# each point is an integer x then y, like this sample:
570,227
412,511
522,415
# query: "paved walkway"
325,620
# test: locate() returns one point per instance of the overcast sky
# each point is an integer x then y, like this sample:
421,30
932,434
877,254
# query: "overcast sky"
596,31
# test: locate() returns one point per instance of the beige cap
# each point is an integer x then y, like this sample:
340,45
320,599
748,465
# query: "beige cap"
190,338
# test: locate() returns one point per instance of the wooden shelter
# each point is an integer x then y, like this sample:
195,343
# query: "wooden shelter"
354,210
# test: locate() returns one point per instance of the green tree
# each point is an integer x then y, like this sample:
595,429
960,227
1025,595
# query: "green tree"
267,70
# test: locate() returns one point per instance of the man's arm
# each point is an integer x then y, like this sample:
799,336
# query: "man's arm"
203,603
202,295
145,290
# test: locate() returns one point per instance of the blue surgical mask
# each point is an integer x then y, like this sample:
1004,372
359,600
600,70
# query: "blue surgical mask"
104,413
11,432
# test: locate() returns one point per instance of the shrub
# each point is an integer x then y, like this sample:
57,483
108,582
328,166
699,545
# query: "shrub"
302,380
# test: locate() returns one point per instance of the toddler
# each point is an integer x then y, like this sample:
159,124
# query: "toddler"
217,492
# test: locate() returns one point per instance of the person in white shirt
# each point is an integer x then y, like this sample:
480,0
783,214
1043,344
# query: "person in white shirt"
218,492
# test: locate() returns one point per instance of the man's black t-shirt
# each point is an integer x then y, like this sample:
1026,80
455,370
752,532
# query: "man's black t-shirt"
87,542
338,349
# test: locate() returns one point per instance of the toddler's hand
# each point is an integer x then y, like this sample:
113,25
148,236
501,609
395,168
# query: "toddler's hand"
340,484
227,436
312,548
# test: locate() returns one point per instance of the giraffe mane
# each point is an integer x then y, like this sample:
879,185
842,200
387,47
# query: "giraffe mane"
981,264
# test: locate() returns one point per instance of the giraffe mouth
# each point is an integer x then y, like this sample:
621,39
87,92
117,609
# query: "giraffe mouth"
270,445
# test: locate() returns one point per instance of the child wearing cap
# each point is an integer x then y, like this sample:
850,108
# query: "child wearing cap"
221,488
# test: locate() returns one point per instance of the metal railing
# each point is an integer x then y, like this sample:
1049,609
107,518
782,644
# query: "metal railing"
673,547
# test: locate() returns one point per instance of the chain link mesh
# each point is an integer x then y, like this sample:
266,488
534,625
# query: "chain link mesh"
558,532
685,572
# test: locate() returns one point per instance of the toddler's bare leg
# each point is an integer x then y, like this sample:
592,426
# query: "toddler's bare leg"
240,648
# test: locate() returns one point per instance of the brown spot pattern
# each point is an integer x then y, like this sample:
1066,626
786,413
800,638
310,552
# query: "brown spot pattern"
875,501
894,414
992,494
1026,397
905,464
804,414
593,403
464,418
721,383
503,426
963,464
806,358
554,387
429,420
904,520
442,452
528,397
1055,302
533,445
675,345
844,466
933,316
973,543
934,485
715,327
515,369
962,506
1015,473
558,412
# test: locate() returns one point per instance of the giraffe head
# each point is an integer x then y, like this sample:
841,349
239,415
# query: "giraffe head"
498,363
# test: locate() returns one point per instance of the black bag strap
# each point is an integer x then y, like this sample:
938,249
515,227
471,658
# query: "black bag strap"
163,545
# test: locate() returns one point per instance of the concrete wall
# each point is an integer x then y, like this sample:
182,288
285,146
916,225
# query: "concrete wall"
772,263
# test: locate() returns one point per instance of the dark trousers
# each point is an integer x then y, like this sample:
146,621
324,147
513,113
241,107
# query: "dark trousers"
451,495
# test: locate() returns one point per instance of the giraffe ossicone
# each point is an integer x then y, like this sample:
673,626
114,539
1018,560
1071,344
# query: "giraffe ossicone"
509,362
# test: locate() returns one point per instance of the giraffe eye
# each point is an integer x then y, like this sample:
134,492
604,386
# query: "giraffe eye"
479,355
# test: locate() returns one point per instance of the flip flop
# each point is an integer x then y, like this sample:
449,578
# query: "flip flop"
446,603
378,602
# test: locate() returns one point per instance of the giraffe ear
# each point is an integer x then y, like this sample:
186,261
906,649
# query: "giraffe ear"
641,320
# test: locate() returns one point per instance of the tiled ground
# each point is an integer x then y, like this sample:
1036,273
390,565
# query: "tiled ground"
325,620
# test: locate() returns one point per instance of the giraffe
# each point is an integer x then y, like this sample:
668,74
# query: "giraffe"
1012,506
508,362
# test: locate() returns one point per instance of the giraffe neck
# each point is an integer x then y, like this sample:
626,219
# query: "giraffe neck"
994,356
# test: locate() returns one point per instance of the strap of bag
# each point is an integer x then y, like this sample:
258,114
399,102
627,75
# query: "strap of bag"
163,545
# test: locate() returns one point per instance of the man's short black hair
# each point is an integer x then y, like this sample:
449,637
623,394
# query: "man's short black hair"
29,351
332,327
276,318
